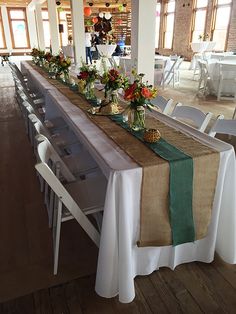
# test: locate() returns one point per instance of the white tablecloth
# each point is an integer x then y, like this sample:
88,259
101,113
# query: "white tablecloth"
125,63
202,46
214,72
106,50
68,51
120,260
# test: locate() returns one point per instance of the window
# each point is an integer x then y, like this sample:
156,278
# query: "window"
169,19
158,17
199,20
46,29
63,21
222,10
18,27
2,37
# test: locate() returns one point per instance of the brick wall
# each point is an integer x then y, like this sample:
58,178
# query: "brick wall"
182,28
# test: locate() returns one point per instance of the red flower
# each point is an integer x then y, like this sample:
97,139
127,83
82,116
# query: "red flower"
146,93
114,73
129,93
83,76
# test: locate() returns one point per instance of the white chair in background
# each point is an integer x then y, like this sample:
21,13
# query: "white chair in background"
204,78
223,126
159,72
163,104
227,76
76,199
173,74
192,116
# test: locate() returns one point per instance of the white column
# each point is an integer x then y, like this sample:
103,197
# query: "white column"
77,10
54,29
39,23
32,27
6,28
143,37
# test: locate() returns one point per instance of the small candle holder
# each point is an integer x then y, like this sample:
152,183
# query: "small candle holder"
151,135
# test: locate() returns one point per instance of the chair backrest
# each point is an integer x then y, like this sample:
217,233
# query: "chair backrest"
62,194
196,116
203,68
163,103
223,126
49,154
41,129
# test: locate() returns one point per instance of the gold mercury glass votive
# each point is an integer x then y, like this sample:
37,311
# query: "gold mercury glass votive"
151,135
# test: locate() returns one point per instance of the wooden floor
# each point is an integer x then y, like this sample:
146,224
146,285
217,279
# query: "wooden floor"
190,288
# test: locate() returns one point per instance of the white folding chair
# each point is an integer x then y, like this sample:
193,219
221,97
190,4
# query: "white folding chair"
76,199
223,126
75,167
159,72
227,76
192,116
173,74
163,104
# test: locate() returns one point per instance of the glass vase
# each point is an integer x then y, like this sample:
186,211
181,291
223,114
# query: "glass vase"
89,90
113,97
136,118
66,77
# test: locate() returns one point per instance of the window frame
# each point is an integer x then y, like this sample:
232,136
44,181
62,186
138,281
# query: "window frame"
46,20
214,14
158,35
59,22
3,32
166,13
194,12
9,9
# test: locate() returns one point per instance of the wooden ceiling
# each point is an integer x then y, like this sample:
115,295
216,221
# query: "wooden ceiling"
66,3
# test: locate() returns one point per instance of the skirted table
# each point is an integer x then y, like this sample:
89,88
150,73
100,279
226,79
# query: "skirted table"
121,257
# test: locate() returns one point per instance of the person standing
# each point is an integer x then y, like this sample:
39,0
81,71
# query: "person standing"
88,43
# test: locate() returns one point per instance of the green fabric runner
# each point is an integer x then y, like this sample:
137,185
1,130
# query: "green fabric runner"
181,185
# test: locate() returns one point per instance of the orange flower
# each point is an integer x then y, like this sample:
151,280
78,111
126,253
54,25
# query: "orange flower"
129,93
145,92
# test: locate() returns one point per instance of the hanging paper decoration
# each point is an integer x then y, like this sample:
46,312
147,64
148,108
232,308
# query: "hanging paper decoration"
87,11
119,22
95,20
107,15
121,8
101,14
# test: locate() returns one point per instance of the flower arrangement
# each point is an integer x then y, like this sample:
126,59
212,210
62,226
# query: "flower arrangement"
113,81
88,74
139,94
38,55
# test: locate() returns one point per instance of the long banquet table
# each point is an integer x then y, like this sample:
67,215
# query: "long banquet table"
120,259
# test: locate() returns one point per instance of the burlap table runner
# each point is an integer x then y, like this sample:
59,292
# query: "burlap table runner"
155,226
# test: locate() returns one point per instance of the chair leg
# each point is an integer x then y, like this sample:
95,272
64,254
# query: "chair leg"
56,235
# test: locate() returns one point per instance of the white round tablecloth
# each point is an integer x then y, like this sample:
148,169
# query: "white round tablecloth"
106,50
